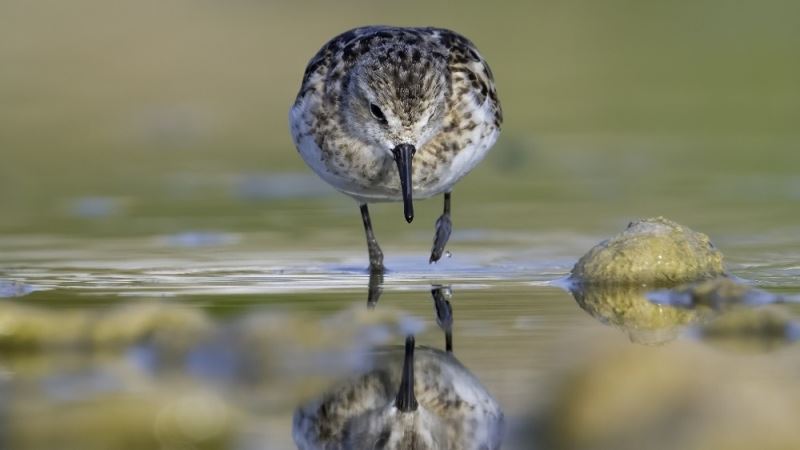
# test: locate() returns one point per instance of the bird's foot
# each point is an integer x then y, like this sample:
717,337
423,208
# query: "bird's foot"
443,228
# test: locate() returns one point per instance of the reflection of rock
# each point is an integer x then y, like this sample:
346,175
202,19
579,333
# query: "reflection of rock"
751,330
682,396
719,294
610,281
626,307
653,251
449,408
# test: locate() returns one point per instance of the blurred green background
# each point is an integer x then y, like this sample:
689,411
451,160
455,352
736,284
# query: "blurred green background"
613,109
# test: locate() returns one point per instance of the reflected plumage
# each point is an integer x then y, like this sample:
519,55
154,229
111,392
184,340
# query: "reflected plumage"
438,405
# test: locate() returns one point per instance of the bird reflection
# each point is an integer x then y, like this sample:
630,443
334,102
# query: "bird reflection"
444,313
414,397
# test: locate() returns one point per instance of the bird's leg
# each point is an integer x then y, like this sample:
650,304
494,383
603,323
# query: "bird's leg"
444,314
375,253
443,228
375,289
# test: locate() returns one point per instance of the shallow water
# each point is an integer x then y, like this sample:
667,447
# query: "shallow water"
514,327
262,302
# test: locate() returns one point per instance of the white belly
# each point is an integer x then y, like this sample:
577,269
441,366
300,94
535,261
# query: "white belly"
370,175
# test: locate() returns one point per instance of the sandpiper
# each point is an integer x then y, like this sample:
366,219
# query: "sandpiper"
389,113
430,402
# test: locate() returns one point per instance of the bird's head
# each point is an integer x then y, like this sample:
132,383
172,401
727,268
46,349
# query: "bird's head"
402,424
395,99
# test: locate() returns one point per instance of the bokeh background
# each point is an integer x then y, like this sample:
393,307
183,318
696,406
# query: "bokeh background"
178,110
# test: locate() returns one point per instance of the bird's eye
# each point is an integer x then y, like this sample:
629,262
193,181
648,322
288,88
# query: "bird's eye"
377,113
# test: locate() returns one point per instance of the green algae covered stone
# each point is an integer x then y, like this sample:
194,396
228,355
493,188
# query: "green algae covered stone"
654,251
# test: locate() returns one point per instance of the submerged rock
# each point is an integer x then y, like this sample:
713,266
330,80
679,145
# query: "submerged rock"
718,294
751,330
737,322
654,251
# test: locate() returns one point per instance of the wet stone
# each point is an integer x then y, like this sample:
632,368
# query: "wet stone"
655,251
751,330
718,294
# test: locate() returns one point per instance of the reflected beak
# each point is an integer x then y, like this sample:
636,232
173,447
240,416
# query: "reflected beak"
402,156
406,401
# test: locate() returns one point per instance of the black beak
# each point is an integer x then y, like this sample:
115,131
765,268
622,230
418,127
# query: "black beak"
402,156
406,401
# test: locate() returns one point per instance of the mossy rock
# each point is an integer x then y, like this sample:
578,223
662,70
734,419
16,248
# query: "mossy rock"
654,252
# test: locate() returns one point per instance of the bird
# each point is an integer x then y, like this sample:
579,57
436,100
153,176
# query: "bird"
389,114
429,401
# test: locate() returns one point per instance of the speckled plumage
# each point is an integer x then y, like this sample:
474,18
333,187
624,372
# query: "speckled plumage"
435,89
422,99
455,411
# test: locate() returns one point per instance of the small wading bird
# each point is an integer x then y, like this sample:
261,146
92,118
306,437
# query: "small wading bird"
388,114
